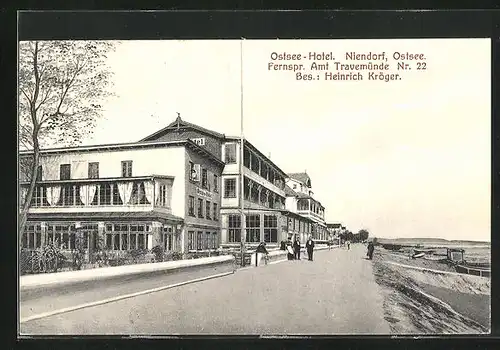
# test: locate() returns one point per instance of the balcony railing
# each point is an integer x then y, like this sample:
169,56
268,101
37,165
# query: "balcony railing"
132,191
310,213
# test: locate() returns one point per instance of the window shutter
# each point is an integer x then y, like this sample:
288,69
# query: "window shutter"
197,172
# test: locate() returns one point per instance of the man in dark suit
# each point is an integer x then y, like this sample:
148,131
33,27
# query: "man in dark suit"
310,248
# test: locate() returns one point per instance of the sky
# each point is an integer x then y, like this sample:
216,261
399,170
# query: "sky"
404,158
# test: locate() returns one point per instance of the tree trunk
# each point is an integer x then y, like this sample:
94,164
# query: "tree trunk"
31,189
36,147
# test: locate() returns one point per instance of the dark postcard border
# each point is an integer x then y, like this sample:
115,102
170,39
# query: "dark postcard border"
269,25
306,24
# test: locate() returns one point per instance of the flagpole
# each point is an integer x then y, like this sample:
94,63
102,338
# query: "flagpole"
242,190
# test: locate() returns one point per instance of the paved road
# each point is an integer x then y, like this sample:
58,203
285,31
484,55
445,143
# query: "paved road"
334,294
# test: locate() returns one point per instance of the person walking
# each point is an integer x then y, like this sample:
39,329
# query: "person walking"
262,249
310,248
371,248
348,245
296,249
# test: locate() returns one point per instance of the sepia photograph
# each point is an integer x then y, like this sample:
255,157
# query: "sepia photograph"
254,187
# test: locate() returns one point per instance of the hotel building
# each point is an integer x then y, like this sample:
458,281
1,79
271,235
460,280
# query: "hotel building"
179,187
129,196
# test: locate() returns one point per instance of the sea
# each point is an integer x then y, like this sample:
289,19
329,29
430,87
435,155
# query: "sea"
479,252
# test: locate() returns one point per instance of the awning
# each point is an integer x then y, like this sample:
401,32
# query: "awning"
152,215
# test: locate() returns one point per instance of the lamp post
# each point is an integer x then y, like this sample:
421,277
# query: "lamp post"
242,202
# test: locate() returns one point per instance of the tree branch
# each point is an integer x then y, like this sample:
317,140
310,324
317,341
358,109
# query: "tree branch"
44,99
26,95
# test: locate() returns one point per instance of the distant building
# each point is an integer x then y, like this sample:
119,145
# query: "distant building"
300,200
334,228
263,196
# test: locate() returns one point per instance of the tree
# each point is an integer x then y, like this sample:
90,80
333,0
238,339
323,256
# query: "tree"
61,87
363,234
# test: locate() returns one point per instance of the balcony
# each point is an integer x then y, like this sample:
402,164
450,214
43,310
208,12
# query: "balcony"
310,208
107,194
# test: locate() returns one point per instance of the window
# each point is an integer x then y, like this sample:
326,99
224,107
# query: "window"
191,240
204,178
215,213
191,171
108,241
253,228
138,195
199,240
93,170
194,172
263,197
127,168
162,195
254,193
230,153
39,173
105,194
64,171
133,241
234,228
246,157
216,183
200,207
246,185
38,198
230,188
141,237
124,241
263,170
255,164
167,238
191,206
215,240
207,243
270,228
32,237
125,237
67,195
207,210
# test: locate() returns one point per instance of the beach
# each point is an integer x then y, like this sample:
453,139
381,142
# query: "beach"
420,301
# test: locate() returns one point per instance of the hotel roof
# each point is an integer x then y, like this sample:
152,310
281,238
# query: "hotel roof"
122,146
178,124
289,192
302,177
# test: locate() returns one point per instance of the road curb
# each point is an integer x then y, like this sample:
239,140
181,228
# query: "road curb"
60,279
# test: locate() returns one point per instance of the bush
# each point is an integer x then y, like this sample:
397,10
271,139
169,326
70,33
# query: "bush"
197,255
158,252
42,260
136,255
78,252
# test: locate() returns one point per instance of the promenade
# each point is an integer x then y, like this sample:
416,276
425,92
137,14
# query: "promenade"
334,294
